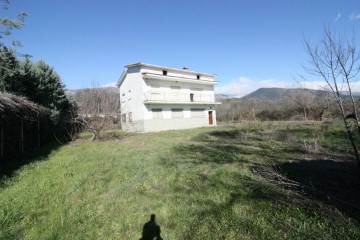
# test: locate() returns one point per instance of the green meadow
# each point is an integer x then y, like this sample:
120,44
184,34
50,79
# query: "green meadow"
205,183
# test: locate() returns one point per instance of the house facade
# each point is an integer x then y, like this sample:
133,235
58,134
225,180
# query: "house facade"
157,98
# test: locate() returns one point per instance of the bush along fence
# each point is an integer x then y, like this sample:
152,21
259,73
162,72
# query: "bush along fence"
22,126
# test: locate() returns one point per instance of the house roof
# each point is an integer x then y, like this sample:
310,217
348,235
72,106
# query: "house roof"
169,68
139,64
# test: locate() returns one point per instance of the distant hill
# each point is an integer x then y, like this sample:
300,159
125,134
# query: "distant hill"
220,97
73,91
274,94
355,94
266,94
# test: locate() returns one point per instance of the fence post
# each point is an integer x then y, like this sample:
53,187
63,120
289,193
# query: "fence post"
2,142
22,137
38,129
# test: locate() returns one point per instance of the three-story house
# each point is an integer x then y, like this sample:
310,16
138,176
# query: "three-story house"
156,98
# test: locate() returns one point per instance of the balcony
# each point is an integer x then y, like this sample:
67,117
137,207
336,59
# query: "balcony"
159,97
177,79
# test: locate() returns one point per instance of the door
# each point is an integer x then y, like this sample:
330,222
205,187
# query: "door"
210,118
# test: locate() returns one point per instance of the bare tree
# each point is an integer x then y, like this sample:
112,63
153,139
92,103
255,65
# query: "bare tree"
302,98
337,61
222,111
324,99
98,108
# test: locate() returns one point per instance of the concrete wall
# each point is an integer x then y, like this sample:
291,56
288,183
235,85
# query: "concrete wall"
168,122
175,73
166,113
155,125
134,126
185,87
131,97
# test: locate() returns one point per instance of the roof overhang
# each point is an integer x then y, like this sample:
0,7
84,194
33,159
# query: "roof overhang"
121,79
177,79
170,69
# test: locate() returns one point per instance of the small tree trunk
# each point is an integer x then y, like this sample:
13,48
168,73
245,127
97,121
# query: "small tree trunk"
22,137
351,138
322,112
96,135
38,130
356,152
2,142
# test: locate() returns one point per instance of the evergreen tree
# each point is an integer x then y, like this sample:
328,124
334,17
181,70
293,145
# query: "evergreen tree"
9,71
37,81
28,80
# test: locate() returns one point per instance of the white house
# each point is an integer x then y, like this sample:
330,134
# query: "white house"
156,98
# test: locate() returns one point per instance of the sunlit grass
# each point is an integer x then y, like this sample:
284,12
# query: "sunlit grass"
198,182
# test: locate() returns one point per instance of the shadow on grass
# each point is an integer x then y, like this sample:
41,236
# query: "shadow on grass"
249,208
9,165
151,230
333,181
220,154
329,173
224,147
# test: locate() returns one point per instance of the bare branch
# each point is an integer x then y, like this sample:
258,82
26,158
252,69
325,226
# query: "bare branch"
98,107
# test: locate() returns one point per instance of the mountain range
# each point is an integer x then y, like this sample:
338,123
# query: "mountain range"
273,94
73,91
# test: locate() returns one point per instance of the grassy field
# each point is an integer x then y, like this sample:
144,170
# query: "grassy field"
201,184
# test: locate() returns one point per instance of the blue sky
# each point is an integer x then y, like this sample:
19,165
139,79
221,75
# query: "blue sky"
248,44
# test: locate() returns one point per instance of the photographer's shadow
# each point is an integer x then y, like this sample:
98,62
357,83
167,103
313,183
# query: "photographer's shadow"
151,231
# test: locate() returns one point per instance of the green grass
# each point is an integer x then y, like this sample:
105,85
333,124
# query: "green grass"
198,182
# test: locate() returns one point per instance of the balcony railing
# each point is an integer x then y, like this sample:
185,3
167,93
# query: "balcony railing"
178,97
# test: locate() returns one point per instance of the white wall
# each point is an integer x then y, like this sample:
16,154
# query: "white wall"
131,97
175,73
187,121
134,87
204,93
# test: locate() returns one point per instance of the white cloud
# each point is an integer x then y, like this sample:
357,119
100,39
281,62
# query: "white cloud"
322,85
338,17
244,85
110,84
354,16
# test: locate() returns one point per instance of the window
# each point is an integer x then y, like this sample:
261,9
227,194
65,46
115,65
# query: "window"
196,89
123,98
154,85
130,116
123,117
195,94
157,113
164,72
177,113
175,87
197,112
129,97
155,96
197,76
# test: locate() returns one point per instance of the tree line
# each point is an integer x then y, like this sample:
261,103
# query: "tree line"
37,81
335,60
292,105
